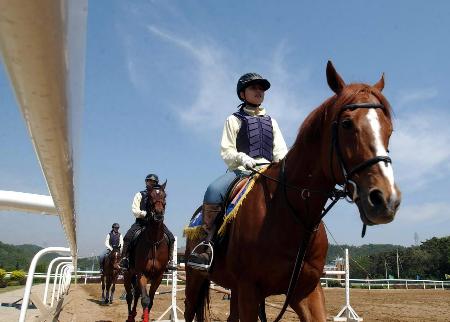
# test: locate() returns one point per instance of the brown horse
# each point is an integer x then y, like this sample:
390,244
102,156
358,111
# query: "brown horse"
110,273
151,255
277,243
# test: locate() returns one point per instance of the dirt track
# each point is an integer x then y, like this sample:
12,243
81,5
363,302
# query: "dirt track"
83,305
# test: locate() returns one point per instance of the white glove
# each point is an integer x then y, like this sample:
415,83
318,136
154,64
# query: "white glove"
246,161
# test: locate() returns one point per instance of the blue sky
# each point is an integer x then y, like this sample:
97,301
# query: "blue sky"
160,81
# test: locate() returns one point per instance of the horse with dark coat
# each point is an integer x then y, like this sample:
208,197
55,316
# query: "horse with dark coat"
150,256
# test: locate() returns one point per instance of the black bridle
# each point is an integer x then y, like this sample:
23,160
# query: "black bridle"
335,146
152,215
334,195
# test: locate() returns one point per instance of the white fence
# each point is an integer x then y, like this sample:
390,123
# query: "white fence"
389,283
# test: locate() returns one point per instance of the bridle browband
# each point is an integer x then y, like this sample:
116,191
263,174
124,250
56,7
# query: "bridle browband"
334,195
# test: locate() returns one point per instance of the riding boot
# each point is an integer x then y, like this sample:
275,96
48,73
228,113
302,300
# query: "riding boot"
202,258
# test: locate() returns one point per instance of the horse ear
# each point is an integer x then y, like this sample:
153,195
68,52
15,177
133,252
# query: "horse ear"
380,84
335,81
164,185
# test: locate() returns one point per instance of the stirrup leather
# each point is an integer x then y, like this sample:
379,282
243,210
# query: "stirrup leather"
203,267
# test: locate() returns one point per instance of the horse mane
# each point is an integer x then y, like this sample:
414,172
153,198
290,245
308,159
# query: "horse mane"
312,127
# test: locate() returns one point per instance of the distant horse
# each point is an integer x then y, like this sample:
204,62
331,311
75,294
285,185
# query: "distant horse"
110,273
151,255
277,243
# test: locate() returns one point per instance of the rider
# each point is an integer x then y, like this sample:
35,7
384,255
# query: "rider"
250,138
138,209
113,239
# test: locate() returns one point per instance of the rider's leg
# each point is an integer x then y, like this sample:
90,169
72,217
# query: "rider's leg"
124,262
212,206
170,265
101,260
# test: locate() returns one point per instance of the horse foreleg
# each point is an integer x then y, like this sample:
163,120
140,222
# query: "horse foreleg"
248,302
311,308
108,286
234,307
102,278
129,296
196,290
145,301
153,287
113,288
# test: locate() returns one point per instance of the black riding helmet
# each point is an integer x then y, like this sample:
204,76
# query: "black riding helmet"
152,177
115,225
250,79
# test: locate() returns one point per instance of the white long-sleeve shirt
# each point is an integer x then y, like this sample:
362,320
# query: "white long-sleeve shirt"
109,246
228,146
136,206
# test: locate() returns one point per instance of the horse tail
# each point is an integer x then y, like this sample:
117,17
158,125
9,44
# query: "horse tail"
202,311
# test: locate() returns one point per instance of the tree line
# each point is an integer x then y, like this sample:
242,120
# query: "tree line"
430,260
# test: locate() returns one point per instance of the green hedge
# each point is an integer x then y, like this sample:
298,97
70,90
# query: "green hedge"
18,276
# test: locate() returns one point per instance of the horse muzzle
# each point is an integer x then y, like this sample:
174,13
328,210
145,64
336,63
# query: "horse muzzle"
377,206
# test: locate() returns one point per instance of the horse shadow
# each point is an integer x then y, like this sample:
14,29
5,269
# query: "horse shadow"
99,302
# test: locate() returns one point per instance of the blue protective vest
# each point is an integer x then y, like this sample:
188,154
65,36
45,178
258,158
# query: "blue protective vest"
114,239
255,137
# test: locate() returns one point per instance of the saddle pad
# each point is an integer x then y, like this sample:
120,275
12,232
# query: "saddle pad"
236,203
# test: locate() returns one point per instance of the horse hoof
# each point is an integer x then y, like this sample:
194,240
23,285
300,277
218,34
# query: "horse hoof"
130,318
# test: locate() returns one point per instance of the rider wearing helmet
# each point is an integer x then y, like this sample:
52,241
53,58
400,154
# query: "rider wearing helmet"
250,137
113,239
138,210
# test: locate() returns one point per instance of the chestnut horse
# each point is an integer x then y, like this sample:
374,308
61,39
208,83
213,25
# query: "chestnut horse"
151,255
110,273
277,243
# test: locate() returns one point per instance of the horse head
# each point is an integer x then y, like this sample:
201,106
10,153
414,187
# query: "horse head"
156,203
359,120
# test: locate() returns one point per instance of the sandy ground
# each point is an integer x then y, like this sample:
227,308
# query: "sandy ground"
12,313
83,305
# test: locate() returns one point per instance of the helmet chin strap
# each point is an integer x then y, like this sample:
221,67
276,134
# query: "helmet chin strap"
248,104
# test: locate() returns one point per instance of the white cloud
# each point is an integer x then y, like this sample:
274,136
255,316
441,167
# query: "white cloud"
420,148
429,213
214,80
412,97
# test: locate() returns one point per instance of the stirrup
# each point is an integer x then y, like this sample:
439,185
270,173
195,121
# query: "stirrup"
202,267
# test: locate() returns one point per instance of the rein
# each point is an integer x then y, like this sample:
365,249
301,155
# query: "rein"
335,195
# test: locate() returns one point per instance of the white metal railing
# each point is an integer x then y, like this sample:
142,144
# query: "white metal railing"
393,283
56,280
49,270
29,283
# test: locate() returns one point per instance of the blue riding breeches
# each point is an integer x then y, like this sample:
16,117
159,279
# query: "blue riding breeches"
217,190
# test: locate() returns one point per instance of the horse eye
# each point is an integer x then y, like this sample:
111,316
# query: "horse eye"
347,124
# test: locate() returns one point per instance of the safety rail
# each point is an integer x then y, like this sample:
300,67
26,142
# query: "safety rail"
29,283
390,283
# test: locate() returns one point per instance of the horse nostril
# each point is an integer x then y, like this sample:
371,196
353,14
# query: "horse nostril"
376,198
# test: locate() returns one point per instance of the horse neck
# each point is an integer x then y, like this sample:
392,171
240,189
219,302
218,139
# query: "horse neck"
304,169
154,231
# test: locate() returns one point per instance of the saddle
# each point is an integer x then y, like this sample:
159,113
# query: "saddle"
234,192
133,243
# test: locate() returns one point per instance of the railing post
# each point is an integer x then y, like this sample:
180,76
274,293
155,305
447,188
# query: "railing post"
49,271
55,281
29,283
